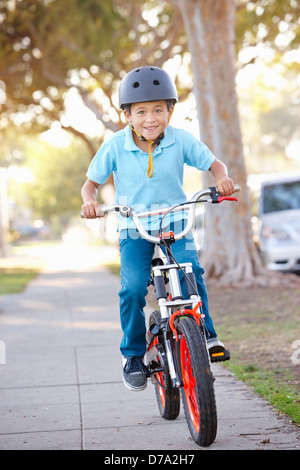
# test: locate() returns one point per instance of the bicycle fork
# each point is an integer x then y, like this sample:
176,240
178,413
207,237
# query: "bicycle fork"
174,307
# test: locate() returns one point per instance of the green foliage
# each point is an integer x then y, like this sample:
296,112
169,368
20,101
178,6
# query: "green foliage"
270,111
48,47
58,175
42,43
267,38
15,280
273,23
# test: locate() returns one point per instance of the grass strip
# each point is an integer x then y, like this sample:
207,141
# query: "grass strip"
283,396
14,280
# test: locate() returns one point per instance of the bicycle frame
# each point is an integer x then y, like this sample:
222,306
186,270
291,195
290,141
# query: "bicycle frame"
173,305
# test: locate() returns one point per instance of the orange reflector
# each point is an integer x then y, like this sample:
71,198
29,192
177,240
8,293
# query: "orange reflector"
217,354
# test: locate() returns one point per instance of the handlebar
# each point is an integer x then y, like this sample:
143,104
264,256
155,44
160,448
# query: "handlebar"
207,195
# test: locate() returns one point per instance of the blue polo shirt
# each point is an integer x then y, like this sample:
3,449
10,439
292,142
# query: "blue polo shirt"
121,156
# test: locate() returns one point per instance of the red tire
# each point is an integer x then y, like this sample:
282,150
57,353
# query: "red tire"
168,398
198,383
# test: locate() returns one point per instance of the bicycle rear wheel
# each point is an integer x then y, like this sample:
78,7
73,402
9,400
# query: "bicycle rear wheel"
198,395
168,398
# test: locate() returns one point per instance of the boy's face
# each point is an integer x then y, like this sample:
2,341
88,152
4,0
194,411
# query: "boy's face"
149,119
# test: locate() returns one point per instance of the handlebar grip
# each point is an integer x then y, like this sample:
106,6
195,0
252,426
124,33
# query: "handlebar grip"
125,211
106,208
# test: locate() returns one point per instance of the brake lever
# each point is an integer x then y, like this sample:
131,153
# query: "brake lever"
227,198
216,198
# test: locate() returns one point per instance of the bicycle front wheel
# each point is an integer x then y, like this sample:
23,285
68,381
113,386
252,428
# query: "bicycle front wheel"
198,395
168,398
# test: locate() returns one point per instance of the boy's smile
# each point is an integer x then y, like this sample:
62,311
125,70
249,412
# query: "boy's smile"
149,119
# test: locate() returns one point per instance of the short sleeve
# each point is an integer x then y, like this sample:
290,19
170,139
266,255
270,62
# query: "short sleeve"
102,165
197,154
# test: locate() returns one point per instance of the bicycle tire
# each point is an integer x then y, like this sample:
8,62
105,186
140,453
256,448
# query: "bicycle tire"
197,393
168,398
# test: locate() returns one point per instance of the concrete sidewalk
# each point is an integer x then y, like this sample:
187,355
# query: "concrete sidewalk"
61,386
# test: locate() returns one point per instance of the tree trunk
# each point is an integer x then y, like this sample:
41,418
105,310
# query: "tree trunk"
229,252
4,218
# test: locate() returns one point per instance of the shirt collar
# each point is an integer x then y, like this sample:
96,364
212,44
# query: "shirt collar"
130,145
129,142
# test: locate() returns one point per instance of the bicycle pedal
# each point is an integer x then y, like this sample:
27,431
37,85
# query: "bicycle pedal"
220,356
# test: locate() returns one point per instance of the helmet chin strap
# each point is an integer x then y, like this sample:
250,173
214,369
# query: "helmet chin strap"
155,143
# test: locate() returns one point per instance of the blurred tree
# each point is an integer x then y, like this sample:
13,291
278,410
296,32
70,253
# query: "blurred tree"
44,53
210,26
270,111
267,38
53,192
267,24
47,48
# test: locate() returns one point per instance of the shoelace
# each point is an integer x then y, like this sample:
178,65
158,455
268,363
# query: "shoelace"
135,364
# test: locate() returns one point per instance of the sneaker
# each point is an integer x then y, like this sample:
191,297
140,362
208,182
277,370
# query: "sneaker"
217,350
135,373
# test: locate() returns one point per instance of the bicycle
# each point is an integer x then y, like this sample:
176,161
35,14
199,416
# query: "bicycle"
177,356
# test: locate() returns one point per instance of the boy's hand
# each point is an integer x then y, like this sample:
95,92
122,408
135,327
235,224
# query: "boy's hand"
225,186
91,209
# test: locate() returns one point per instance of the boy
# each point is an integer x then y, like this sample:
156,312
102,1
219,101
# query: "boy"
147,160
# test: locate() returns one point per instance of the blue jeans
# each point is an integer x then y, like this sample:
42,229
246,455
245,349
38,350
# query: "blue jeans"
136,257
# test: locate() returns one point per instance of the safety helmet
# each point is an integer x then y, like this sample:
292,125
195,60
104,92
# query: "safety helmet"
146,83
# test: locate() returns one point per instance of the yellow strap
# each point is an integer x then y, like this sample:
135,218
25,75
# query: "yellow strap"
150,161
151,142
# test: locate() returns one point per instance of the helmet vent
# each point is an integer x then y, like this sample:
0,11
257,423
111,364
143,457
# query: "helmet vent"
145,84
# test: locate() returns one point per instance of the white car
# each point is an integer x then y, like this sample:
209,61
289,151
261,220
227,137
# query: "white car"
277,225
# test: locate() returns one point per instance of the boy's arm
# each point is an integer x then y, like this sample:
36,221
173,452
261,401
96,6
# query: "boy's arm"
224,184
90,207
